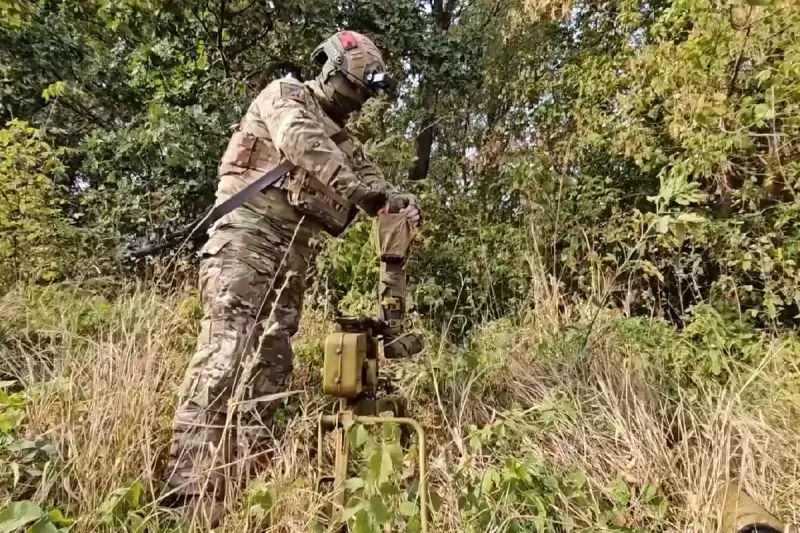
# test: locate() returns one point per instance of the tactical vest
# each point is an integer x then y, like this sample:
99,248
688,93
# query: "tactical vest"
248,157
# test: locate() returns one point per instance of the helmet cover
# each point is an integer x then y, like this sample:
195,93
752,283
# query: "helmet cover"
358,58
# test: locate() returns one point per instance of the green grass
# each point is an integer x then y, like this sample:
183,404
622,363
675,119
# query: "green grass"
568,419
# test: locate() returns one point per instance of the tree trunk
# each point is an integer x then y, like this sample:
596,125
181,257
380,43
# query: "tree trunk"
443,18
425,138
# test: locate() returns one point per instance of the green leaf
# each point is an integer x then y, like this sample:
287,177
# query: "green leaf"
679,230
134,494
578,480
363,523
475,442
659,507
354,483
386,466
42,526
651,270
108,507
389,490
648,492
15,470
490,478
351,510
136,523
375,462
691,218
620,493
395,453
11,419
663,224
262,500
54,90
57,518
408,508
763,111
19,514
758,2
379,510
390,432
763,75
361,436
743,142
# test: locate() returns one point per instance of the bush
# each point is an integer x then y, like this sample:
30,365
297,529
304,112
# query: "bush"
34,234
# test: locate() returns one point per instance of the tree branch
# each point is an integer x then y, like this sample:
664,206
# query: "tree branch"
738,65
235,51
200,20
220,29
736,68
84,111
245,8
271,66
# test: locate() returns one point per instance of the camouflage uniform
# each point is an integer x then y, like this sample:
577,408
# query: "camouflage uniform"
252,278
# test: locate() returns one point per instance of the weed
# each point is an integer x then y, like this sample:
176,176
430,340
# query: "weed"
533,426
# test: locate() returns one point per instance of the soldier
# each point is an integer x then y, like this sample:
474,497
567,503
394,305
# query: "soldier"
253,266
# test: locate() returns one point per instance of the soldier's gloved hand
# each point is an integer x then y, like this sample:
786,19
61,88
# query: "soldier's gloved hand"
369,199
407,204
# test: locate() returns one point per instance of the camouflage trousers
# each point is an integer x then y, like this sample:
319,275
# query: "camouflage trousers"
252,281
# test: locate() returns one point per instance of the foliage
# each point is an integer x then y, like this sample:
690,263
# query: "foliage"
24,462
609,255
31,517
520,494
386,490
148,137
32,228
676,121
529,427
653,144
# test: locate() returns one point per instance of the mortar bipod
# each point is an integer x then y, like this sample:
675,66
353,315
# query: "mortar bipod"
350,372
341,423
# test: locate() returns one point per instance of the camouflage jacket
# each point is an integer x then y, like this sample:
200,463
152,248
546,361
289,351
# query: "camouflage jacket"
286,121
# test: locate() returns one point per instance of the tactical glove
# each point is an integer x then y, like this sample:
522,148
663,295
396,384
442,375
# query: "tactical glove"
408,204
368,198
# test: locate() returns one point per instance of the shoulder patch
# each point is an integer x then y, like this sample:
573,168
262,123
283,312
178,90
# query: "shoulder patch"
292,92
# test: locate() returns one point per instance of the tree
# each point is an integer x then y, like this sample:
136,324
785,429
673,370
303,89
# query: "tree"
653,143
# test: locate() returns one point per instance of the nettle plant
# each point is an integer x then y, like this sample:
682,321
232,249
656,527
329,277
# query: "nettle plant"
386,488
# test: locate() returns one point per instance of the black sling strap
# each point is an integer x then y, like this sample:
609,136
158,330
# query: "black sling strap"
340,137
219,211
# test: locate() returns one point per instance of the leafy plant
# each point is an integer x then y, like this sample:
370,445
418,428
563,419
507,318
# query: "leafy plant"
30,517
23,461
32,226
122,508
386,490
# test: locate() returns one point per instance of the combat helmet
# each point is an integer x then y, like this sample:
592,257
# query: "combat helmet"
357,57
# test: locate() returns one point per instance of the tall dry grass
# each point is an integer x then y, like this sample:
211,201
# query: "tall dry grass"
102,373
